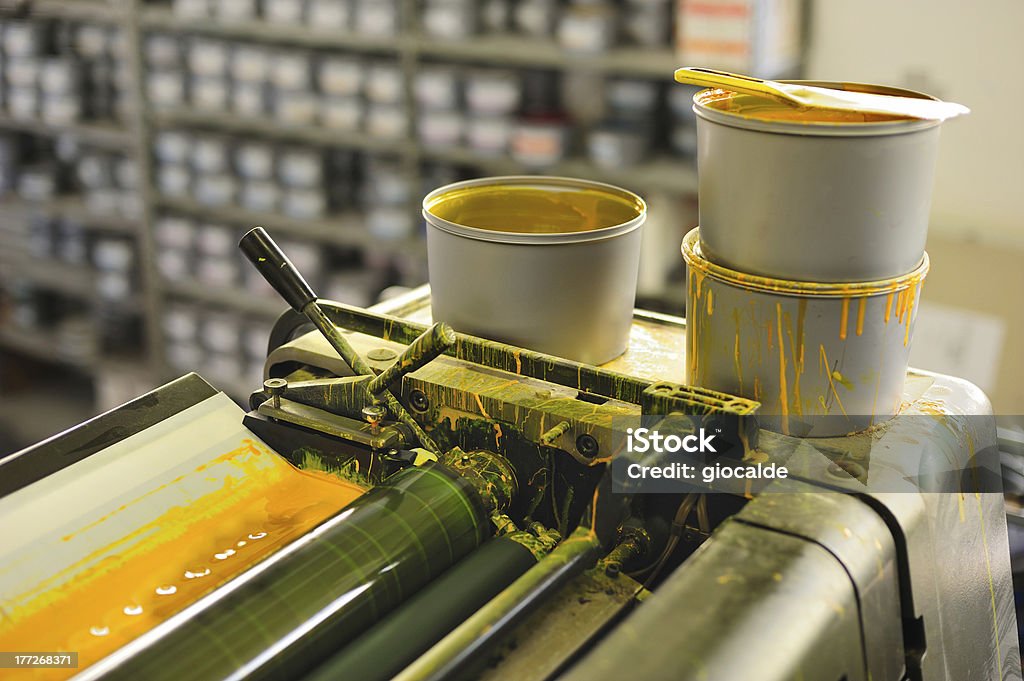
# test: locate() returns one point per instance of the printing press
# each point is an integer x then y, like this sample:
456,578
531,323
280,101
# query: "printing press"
530,565
407,498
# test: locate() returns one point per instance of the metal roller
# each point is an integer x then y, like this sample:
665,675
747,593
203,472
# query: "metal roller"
290,612
427,617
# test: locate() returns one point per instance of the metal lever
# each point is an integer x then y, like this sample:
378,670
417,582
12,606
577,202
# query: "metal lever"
280,273
428,346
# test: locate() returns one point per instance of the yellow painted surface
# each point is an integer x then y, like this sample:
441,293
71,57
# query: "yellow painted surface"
122,589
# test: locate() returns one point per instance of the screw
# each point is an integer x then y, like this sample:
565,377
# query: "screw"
275,387
587,445
418,401
373,414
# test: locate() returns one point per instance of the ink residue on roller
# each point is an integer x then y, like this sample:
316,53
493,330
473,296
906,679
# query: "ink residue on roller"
118,591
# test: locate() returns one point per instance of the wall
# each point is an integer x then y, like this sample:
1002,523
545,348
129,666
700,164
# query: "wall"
969,53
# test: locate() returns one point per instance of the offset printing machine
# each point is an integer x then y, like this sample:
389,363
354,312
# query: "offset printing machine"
495,540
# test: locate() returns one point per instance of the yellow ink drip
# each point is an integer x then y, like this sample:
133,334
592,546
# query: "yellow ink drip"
912,296
783,396
736,350
844,319
831,384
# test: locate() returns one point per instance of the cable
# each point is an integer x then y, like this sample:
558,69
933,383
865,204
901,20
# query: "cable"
678,525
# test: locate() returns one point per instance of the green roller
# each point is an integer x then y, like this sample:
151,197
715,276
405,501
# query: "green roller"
428,616
292,611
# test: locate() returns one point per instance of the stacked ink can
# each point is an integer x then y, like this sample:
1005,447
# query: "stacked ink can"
806,271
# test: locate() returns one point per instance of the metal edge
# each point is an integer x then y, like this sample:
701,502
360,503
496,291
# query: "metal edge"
698,262
894,127
35,462
519,361
530,239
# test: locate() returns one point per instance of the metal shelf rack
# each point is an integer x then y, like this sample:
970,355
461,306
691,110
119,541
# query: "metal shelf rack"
100,134
344,230
409,47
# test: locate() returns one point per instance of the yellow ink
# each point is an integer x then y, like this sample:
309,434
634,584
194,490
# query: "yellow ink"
844,318
122,590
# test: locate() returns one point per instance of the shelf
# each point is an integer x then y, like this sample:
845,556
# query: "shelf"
75,10
677,176
341,230
313,135
517,50
39,345
75,209
269,307
503,49
162,18
73,280
100,133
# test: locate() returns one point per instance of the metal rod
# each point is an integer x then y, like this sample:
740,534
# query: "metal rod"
548,438
278,270
451,656
338,342
437,609
428,346
521,361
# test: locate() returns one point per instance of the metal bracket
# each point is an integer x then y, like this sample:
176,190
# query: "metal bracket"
391,436
720,411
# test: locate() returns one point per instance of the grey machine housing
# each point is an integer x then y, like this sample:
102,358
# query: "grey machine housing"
804,582
799,583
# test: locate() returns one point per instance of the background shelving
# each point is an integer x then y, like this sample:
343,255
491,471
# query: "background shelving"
191,306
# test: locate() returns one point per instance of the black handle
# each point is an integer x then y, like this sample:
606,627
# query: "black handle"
276,268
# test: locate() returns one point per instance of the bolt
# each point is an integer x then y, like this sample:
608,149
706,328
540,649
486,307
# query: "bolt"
418,401
374,414
587,445
612,570
548,438
275,387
